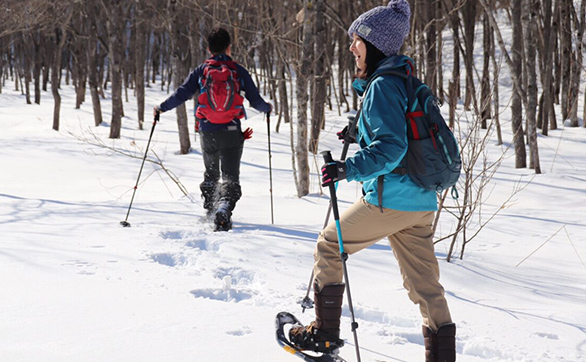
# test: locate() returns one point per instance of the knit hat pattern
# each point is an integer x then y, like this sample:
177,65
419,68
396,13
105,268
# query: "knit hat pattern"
385,27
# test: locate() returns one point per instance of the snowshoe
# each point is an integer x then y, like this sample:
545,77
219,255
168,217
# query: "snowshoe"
331,354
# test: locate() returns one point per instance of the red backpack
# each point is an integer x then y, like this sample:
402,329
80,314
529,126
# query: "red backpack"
219,100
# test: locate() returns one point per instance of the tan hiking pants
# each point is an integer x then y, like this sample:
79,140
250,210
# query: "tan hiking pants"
410,236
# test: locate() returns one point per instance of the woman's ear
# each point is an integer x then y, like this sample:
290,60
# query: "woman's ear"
229,51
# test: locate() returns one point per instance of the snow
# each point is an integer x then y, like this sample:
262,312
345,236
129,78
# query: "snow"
78,287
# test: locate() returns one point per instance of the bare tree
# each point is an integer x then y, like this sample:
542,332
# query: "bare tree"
530,8
177,19
469,16
485,98
516,107
140,23
60,36
92,12
549,38
303,74
431,45
567,56
115,23
576,69
320,74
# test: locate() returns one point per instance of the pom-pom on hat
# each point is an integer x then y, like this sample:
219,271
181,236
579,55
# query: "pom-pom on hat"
385,27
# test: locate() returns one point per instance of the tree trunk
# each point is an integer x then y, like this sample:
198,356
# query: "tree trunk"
548,36
27,55
140,56
92,64
60,37
1,63
556,83
115,25
455,24
516,107
441,25
284,109
47,62
576,70
530,8
431,43
343,56
180,56
495,89
567,57
469,15
584,111
485,98
303,74
38,39
320,91
80,61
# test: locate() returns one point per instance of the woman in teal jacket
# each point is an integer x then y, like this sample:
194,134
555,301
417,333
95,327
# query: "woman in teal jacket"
393,206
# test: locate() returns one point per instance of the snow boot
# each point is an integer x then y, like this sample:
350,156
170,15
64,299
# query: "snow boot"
440,346
209,194
231,192
323,334
222,216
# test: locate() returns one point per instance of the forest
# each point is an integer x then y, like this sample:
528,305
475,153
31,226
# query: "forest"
298,54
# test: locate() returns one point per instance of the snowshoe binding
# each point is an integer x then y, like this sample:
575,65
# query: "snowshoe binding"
305,342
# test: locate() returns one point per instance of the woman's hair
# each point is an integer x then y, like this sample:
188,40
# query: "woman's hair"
373,57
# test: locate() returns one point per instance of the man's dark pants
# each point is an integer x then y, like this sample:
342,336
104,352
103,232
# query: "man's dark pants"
222,152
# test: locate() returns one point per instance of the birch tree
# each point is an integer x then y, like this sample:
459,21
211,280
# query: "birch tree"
303,74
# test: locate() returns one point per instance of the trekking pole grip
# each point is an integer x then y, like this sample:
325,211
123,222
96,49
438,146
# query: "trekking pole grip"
328,159
157,117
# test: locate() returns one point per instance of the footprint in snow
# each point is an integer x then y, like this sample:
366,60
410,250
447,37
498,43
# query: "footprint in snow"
237,275
239,332
230,295
174,235
168,259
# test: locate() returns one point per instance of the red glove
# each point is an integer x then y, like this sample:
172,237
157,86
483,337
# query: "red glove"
247,133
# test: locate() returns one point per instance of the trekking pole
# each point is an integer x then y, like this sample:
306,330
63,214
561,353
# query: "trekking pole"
307,302
343,255
125,223
270,166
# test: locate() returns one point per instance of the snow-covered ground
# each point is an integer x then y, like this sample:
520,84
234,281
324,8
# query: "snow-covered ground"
75,286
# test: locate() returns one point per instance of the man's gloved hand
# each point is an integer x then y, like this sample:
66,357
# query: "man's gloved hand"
247,134
157,110
333,172
345,136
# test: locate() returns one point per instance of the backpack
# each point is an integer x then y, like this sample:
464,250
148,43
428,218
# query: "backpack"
433,158
219,100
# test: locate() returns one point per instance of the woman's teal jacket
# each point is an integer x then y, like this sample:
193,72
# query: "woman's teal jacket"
382,137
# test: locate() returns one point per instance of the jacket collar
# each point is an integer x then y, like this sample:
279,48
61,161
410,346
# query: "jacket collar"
394,62
220,57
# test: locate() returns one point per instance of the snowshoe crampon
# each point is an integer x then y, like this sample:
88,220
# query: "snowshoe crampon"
284,318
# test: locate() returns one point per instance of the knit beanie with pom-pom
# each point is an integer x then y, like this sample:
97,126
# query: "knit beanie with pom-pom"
385,27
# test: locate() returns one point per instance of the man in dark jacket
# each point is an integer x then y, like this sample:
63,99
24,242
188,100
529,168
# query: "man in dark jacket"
221,143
